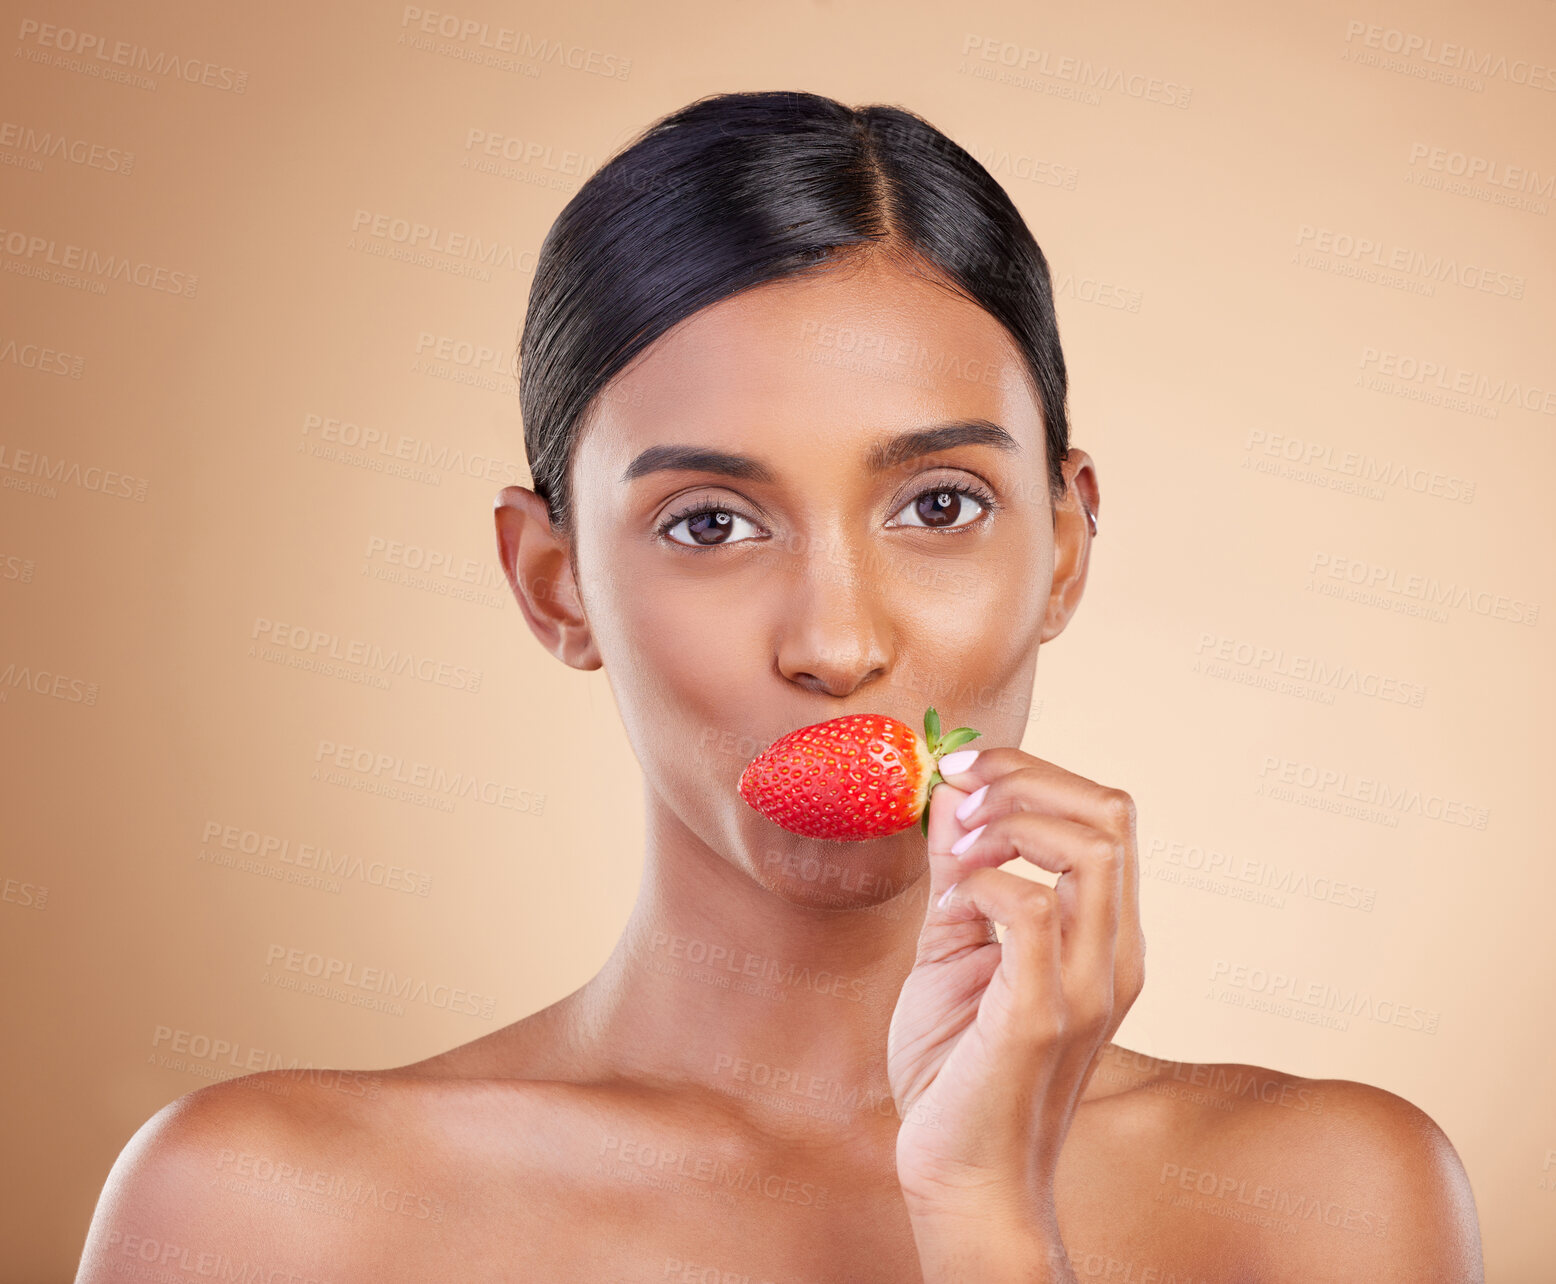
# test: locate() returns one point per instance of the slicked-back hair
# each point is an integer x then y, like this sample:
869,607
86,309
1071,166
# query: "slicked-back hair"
736,190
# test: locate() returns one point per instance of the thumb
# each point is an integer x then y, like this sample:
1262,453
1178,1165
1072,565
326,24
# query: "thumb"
944,830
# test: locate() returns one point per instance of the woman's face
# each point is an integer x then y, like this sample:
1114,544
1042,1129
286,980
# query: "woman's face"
830,576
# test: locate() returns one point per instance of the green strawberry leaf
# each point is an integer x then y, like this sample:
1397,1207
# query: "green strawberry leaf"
957,738
931,726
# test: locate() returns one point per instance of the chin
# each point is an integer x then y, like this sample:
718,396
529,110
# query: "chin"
870,875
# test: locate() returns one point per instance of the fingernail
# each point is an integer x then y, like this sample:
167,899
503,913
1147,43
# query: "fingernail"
970,803
966,840
945,896
958,761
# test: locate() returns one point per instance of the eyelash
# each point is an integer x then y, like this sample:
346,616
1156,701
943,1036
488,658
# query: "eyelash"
980,493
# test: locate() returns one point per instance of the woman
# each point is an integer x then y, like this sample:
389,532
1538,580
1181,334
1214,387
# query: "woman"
794,404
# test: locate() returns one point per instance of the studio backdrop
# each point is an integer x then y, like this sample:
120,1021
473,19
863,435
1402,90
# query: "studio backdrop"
273,723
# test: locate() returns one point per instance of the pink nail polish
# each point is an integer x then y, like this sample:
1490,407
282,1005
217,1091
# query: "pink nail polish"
958,761
970,803
966,840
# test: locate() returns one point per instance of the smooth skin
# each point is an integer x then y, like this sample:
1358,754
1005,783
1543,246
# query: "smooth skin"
798,1065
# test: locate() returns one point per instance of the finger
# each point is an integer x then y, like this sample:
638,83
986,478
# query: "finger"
1017,781
1030,949
1090,864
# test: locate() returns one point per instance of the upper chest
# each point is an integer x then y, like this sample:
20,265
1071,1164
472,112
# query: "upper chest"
553,1183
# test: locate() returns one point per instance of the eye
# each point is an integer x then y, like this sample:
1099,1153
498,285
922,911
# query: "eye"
707,524
942,507
939,507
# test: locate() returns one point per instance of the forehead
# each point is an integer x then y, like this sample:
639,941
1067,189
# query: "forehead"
835,358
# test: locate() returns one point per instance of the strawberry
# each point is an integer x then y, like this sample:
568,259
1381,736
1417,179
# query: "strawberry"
865,775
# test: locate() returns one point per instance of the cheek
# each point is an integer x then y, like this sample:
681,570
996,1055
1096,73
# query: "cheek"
980,606
686,668
973,654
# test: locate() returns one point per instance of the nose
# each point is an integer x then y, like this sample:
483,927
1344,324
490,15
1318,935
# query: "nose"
834,635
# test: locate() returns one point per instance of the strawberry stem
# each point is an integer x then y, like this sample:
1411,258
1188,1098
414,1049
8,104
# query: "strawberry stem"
939,746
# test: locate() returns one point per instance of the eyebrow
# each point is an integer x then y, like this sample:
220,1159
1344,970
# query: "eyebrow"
883,455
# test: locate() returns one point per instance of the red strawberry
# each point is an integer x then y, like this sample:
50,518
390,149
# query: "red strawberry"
865,775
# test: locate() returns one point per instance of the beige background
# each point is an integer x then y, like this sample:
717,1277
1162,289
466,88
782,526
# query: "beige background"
1216,313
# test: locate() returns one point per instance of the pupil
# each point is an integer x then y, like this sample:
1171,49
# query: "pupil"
715,522
939,507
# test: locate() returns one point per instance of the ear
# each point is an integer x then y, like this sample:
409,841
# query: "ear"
1072,540
538,561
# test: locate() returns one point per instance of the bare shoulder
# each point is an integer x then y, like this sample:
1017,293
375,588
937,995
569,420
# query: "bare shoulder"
1313,1178
213,1182
315,1174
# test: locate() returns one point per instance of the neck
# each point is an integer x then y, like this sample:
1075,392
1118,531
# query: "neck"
723,984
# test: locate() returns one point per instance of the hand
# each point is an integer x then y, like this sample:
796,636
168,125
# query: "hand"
992,1043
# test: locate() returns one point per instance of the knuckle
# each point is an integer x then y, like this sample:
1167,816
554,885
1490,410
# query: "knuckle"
1108,853
1039,903
1120,808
